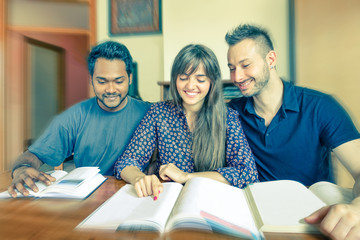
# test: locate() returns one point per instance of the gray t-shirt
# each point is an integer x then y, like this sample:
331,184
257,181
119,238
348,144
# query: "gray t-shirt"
96,137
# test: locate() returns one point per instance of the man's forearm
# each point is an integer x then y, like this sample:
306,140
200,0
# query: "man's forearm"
26,159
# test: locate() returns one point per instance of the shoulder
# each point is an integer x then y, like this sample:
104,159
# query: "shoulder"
164,106
324,106
312,94
79,109
238,103
311,99
136,103
84,103
164,110
161,111
232,113
232,117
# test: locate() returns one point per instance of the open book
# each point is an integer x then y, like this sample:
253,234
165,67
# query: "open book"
78,184
213,206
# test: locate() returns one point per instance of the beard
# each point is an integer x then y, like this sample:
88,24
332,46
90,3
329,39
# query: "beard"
260,82
103,98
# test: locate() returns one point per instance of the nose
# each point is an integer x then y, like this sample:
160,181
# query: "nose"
190,83
238,75
110,87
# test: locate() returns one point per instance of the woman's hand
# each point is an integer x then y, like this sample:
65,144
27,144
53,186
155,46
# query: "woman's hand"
148,185
145,185
169,172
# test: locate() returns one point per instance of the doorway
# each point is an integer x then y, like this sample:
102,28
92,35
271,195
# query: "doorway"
45,86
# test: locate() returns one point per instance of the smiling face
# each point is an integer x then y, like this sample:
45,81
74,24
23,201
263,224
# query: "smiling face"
193,88
111,84
249,71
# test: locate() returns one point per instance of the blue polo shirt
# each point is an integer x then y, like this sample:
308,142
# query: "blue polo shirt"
297,143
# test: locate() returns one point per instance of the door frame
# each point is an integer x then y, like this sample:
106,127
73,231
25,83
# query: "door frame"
27,85
8,151
3,23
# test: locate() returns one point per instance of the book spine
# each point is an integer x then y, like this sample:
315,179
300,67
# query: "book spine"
253,208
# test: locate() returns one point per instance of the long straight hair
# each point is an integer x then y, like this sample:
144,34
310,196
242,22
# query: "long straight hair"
209,135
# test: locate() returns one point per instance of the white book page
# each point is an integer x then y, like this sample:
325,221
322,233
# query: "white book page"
79,192
331,193
283,205
76,177
58,174
82,173
125,207
218,199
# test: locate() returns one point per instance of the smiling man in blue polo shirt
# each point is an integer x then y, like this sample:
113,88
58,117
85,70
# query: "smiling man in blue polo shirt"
292,130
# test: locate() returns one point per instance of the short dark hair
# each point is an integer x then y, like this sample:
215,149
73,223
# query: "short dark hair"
110,50
247,31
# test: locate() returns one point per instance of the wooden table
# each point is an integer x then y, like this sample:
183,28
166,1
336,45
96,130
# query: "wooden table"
57,218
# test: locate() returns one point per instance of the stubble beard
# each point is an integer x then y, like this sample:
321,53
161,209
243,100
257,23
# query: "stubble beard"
102,100
260,82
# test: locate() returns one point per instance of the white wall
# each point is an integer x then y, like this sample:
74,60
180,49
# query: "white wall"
48,14
200,21
207,22
147,51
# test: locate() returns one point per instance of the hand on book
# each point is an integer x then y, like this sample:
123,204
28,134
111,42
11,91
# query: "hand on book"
339,221
168,172
148,185
28,176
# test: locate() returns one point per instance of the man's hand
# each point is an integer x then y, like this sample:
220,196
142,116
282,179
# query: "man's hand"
148,185
169,172
27,175
340,221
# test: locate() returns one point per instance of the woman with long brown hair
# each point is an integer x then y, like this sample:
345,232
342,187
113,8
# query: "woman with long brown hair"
195,133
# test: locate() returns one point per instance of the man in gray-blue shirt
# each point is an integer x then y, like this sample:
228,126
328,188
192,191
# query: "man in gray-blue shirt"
96,131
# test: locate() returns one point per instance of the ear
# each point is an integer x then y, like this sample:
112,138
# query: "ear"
271,59
130,78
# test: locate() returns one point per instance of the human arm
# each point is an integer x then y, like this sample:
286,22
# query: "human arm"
145,185
342,221
240,169
141,146
25,171
137,155
169,172
52,147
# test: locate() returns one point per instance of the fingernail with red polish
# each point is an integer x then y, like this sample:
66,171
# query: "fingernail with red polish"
155,198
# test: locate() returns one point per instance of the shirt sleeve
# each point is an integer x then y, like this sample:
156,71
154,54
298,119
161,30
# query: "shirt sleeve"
240,167
336,126
141,146
57,141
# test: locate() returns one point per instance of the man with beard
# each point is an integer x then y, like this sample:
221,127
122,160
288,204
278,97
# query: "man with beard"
292,130
95,131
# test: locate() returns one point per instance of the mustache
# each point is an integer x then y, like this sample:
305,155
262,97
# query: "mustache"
111,95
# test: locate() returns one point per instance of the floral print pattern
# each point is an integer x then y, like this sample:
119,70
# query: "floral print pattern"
165,127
